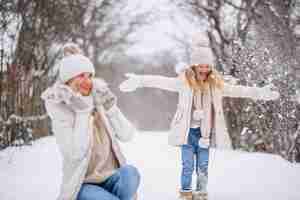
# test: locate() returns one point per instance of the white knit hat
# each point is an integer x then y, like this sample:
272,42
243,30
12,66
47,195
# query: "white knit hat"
201,52
73,65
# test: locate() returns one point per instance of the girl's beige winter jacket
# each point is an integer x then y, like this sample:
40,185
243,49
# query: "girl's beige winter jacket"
181,121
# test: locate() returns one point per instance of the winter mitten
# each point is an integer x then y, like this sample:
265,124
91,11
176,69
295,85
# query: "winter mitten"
269,93
63,93
198,114
104,96
131,84
204,142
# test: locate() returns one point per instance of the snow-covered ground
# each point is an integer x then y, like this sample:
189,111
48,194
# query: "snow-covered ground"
233,175
31,172
34,172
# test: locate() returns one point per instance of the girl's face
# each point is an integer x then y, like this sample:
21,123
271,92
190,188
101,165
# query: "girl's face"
82,84
202,71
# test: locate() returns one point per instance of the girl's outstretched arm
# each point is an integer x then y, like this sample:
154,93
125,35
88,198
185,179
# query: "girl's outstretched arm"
135,81
256,93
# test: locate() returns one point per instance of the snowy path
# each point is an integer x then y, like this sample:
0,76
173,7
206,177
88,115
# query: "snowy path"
233,175
158,163
33,173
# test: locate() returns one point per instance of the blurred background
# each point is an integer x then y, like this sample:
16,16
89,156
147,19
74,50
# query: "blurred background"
255,41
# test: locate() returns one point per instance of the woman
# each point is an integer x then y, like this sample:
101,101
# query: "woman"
199,121
86,123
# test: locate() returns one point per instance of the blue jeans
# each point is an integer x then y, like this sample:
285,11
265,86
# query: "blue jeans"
192,154
122,185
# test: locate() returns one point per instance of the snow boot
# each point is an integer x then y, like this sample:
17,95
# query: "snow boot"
186,194
197,195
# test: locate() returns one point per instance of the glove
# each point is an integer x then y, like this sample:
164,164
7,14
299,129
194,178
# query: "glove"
268,93
198,114
131,84
104,96
63,93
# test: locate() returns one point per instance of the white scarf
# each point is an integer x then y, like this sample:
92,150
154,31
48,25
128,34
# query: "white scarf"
203,101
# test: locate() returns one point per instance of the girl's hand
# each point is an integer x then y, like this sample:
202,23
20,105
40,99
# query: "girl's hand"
131,84
269,93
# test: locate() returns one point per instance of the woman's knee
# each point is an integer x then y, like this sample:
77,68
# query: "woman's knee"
130,177
131,173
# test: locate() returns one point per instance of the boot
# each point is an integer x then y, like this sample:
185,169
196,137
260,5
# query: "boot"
201,189
186,194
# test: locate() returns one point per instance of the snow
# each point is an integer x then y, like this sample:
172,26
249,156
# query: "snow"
34,172
233,175
31,172
252,176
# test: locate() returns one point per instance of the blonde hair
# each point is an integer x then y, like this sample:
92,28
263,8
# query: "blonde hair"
214,79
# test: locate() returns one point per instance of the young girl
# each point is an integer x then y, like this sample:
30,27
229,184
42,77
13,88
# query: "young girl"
87,123
199,113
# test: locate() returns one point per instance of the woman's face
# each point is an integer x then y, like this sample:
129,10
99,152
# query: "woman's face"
202,71
82,84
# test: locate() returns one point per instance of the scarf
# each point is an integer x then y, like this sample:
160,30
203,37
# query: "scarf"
203,101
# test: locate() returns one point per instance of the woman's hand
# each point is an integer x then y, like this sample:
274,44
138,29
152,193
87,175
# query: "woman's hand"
104,96
64,93
131,84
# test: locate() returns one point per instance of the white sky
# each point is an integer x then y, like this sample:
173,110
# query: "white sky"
155,37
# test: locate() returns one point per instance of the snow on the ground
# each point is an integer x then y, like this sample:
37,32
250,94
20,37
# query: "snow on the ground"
247,176
233,175
34,172
158,163
31,172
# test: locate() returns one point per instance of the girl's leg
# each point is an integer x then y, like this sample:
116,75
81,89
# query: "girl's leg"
187,156
202,166
203,156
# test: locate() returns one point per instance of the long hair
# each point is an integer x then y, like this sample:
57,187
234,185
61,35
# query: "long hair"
214,79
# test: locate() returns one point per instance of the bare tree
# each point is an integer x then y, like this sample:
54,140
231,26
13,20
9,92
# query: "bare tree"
258,47
106,26
28,30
